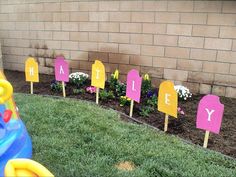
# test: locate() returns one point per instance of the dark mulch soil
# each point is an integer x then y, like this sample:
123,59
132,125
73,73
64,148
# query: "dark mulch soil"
184,126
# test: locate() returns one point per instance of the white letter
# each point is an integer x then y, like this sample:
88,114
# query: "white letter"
167,101
97,74
133,86
31,71
61,70
209,114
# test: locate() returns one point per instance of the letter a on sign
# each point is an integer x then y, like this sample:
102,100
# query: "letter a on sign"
210,113
31,70
133,88
168,99
61,69
98,74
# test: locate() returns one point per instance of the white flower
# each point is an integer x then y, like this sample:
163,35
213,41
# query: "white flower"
183,92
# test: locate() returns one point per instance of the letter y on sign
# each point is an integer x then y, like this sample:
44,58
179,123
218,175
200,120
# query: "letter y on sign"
61,69
210,113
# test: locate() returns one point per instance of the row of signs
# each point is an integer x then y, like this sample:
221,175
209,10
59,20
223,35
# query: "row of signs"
210,110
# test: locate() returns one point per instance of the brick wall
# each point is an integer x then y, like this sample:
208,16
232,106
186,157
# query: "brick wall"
190,42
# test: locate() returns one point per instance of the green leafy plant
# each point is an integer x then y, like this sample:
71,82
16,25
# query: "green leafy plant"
78,91
146,84
124,101
145,111
120,89
113,81
56,86
106,95
150,105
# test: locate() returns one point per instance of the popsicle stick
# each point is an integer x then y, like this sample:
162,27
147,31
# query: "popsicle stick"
63,89
166,122
131,108
31,88
97,95
206,139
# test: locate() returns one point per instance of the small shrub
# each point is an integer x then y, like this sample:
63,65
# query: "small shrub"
78,78
113,81
120,89
124,101
106,95
78,91
149,106
56,86
145,111
183,92
146,84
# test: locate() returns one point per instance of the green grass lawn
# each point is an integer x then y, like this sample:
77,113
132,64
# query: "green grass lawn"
78,138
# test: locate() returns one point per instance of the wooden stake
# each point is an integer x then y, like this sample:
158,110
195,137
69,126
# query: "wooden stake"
206,139
31,88
166,122
131,108
97,95
63,89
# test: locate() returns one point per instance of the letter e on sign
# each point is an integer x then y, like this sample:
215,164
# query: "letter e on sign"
167,99
98,74
133,88
209,114
61,69
31,70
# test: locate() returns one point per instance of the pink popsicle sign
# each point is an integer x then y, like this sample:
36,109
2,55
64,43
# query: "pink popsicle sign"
210,113
133,89
61,69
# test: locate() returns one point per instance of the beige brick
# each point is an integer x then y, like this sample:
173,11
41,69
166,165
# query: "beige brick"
141,60
79,36
154,28
61,35
119,37
129,49
206,31
201,77
180,6
124,69
43,17
177,52
189,65
207,6
233,69
79,16
218,90
164,62
193,87
102,56
98,37
201,54
69,26
141,38
193,42
131,5
85,65
165,40
88,6
109,6
153,72
221,19
69,6
52,26
108,47
118,58
131,27
36,7
152,50
53,44
214,67
88,46
155,5
109,27
219,44
226,56
230,92
142,17
51,7
225,80
228,32
177,75
205,89
110,68
98,16
179,29
193,18
234,45
61,16
229,7
22,25
88,26
36,26
120,16
15,34
70,45
44,35
79,55
166,17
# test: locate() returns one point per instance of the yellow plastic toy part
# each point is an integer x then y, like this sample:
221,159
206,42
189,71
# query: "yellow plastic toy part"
25,168
6,91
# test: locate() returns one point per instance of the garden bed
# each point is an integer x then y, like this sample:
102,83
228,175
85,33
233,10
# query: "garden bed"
184,126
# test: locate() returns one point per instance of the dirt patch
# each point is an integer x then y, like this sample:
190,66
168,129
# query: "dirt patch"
184,126
126,166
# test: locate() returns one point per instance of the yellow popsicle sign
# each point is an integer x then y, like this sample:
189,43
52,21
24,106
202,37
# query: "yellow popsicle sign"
98,74
31,70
